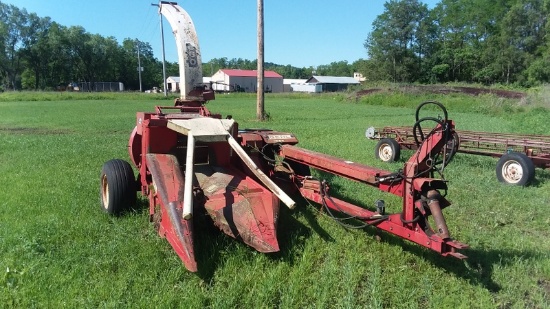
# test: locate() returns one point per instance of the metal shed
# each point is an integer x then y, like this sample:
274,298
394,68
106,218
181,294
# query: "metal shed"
333,83
289,84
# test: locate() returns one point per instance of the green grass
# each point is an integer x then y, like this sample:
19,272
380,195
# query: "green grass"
58,250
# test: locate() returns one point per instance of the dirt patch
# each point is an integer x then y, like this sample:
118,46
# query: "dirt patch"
361,93
508,94
545,285
33,131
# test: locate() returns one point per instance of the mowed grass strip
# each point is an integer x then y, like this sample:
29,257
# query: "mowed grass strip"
57,248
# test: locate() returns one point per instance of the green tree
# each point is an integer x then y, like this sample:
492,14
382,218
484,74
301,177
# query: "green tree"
396,44
12,20
152,68
538,70
60,60
339,68
35,51
522,36
151,75
466,44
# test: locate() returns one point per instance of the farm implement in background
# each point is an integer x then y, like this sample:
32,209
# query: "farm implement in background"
190,160
518,154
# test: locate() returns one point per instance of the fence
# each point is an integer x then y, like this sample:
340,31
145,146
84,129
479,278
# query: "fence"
101,86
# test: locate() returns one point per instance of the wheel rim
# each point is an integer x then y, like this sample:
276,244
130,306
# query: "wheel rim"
385,152
105,191
512,171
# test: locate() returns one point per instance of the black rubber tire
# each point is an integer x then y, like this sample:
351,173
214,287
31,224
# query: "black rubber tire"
117,187
515,168
387,150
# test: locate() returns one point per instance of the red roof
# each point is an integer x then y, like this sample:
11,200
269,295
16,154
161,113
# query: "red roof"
250,73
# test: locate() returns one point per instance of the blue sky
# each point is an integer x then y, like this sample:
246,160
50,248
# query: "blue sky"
299,33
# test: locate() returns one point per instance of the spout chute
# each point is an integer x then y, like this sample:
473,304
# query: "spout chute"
187,42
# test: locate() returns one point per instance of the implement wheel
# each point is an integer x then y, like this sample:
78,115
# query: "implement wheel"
118,187
387,150
515,168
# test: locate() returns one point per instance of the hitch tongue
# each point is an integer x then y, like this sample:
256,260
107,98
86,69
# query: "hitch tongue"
435,209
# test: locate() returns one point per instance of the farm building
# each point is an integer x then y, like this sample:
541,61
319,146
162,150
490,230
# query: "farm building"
310,88
173,83
289,84
228,80
100,86
358,76
332,83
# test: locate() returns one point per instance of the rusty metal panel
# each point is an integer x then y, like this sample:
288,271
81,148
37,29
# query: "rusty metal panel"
168,186
240,207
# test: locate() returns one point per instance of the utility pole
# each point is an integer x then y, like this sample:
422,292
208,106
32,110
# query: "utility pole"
139,65
260,113
163,53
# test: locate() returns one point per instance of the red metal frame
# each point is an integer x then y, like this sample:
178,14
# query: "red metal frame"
188,160
245,209
238,204
421,196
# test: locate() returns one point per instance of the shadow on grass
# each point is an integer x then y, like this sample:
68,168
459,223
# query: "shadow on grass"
211,244
541,177
477,268
310,215
142,204
209,241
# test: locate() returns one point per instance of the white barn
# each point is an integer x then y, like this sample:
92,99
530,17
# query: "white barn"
229,80
290,83
332,83
173,84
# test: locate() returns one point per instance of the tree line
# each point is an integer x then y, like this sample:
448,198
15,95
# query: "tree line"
37,53
481,41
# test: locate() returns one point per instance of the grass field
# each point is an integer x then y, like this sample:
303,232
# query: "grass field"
59,250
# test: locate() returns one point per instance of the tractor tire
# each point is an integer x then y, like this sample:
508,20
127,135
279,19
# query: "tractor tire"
117,187
515,168
387,150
